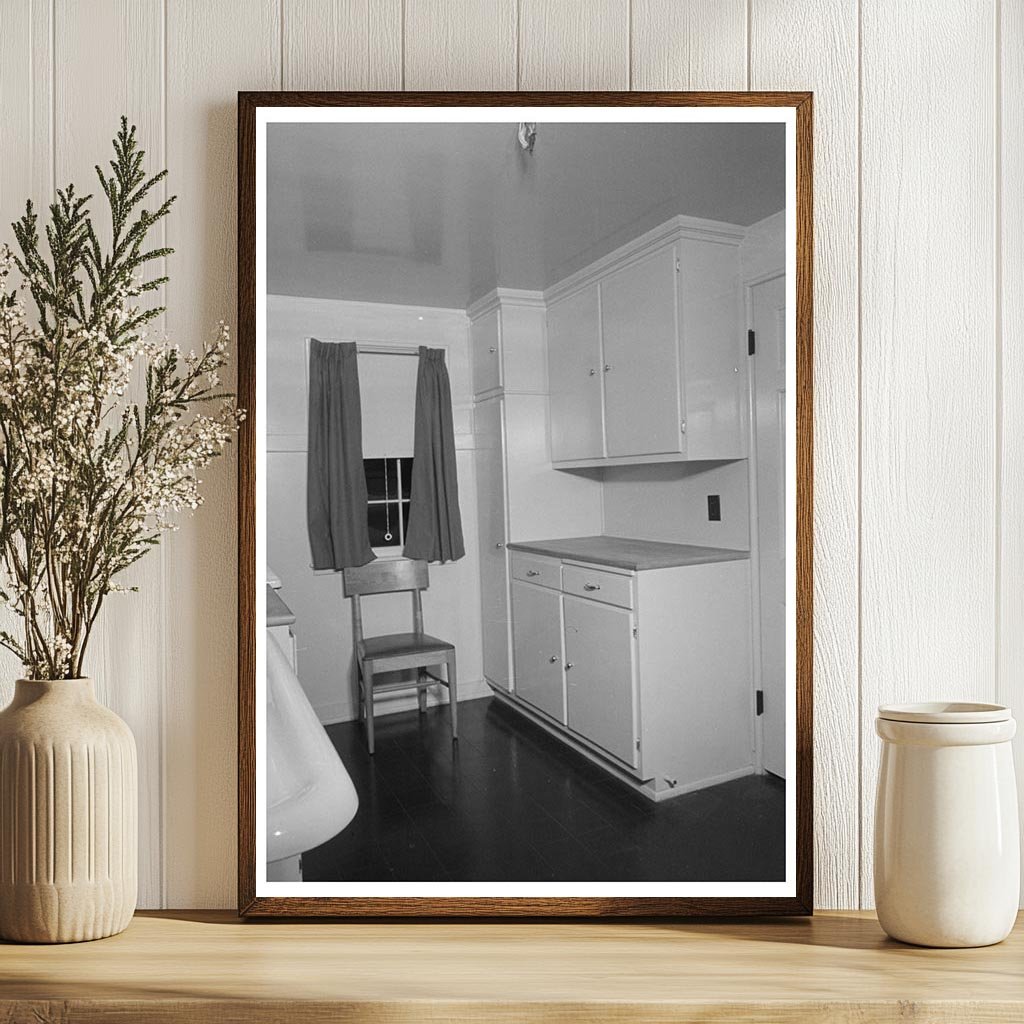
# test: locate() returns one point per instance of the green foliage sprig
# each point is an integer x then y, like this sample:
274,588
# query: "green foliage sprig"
89,476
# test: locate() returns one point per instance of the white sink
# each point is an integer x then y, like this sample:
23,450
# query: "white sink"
310,796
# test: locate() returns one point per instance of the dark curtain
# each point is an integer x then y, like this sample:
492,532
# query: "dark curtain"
435,525
335,480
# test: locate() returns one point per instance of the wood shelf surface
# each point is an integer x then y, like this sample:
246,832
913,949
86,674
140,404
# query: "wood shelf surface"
209,966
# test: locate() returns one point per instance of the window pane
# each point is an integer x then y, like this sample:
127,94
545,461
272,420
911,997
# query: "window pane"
374,469
406,477
405,519
377,518
378,485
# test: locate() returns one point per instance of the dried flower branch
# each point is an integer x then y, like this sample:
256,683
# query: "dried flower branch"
89,478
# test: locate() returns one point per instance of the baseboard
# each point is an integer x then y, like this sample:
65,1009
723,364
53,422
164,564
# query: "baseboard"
347,711
645,787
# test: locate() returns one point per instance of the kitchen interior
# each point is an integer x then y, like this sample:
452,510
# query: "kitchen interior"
610,299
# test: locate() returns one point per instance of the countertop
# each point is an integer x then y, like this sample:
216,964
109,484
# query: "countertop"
278,613
207,966
627,552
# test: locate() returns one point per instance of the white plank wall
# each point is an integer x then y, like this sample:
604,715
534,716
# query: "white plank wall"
776,62
1009,258
919,162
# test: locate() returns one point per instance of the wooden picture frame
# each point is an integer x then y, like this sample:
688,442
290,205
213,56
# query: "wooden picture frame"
253,904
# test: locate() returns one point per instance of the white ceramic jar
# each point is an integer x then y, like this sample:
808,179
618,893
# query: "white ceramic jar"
947,848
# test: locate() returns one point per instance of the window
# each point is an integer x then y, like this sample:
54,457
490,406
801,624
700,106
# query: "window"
388,484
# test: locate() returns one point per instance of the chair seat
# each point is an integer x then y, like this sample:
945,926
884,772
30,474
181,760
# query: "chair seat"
400,645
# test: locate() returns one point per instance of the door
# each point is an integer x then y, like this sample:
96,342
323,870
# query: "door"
486,340
490,478
537,647
574,377
768,381
600,675
641,358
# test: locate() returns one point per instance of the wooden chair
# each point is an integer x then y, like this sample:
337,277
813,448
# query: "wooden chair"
397,651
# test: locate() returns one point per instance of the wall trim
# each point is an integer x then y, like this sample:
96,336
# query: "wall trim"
643,245
396,308
498,297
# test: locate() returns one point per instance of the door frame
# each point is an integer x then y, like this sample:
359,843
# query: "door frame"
757,674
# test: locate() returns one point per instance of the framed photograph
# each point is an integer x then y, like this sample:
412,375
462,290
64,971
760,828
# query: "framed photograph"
525,493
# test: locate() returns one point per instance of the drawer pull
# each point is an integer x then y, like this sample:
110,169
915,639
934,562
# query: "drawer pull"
499,545
591,586
553,658
493,350
532,572
568,665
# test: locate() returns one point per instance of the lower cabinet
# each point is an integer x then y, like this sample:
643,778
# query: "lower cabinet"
646,672
600,675
537,648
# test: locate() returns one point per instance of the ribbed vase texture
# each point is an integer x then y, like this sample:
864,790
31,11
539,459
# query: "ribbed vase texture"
68,815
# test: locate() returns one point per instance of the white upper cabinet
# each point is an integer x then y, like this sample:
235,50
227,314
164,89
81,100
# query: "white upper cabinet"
485,335
641,358
575,376
646,355
506,329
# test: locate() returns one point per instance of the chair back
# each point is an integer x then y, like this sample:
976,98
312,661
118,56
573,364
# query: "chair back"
386,576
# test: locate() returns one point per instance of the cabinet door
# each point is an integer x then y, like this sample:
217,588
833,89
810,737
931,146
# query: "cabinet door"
641,358
574,377
486,341
537,647
490,477
600,675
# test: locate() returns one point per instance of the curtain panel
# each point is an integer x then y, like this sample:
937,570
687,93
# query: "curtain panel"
335,481
435,523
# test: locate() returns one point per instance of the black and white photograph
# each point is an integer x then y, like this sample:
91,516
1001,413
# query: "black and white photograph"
525,502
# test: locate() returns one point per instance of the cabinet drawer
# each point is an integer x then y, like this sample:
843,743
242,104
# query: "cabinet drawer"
599,585
536,569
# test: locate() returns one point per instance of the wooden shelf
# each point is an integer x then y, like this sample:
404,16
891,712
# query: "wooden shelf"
200,967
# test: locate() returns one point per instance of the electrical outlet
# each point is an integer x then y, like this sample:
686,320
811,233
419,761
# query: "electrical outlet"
714,508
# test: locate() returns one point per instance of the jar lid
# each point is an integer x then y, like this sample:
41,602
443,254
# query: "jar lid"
945,712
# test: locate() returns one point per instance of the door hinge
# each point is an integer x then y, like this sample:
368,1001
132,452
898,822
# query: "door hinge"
677,264
751,343
637,744
636,632
759,701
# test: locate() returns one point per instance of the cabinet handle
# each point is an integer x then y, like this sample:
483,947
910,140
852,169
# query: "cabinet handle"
591,372
591,586
532,572
607,367
499,545
568,665
492,350
553,658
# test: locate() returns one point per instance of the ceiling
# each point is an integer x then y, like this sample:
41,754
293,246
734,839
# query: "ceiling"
439,214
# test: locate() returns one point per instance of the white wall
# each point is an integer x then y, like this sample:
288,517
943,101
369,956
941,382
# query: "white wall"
323,628
919,310
669,502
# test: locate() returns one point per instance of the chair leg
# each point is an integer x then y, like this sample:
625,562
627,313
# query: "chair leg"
453,695
368,705
421,693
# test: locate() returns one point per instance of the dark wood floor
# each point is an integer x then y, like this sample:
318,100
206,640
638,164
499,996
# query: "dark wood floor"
510,803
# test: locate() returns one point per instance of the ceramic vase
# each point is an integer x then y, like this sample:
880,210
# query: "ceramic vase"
68,812
947,848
